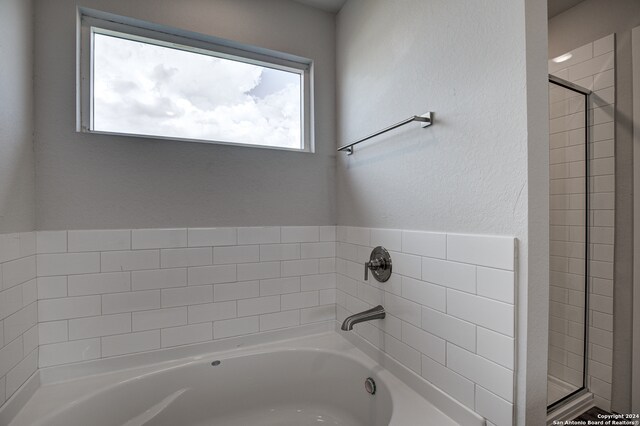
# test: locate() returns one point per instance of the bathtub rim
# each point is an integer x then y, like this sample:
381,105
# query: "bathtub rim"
242,345
179,354
20,397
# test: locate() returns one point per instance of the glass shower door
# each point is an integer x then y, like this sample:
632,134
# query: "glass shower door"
568,235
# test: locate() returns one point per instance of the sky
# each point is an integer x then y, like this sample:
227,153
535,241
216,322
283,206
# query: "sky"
153,90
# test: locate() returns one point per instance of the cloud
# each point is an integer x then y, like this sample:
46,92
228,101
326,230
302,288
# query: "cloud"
145,89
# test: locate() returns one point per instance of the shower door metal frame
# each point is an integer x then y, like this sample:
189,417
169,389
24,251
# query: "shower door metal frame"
583,389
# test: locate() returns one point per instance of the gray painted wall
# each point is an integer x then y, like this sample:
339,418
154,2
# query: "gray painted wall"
98,181
483,166
584,23
467,172
17,173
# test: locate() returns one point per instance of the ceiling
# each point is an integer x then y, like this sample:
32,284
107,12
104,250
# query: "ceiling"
327,5
556,7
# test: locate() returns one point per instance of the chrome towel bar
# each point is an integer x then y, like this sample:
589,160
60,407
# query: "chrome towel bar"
425,119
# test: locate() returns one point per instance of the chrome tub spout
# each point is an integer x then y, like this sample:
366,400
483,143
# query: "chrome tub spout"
368,315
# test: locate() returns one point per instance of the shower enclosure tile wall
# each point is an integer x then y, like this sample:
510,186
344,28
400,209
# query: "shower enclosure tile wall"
450,309
591,66
112,292
18,311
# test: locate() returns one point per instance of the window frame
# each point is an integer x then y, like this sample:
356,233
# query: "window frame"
91,21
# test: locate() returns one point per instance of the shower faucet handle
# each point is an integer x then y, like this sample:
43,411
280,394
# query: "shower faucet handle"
374,265
379,263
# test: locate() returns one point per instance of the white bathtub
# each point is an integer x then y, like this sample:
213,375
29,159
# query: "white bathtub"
310,380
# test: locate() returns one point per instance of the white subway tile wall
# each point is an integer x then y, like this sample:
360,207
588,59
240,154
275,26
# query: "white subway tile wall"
104,293
593,67
450,310
19,331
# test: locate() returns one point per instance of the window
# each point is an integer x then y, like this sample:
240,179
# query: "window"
148,82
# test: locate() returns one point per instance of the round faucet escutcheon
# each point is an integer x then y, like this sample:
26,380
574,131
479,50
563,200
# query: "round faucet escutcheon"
379,264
